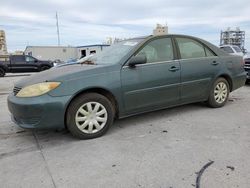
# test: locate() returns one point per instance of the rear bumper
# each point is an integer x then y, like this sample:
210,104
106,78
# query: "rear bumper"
43,112
239,80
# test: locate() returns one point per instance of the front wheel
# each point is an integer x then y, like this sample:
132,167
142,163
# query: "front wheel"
89,116
219,93
43,68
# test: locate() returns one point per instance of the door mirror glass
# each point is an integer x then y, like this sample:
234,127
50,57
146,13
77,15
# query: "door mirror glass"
136,60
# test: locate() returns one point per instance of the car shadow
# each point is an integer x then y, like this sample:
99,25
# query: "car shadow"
49,138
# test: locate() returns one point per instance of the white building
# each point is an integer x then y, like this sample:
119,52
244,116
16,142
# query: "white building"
160,30
3,45
62,53
83,51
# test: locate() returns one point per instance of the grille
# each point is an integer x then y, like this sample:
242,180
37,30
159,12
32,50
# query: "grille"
16,90
247,64
247,59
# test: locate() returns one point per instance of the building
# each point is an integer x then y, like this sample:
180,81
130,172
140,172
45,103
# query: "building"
160,30
62,53
233,37
51,52
3,45
83,51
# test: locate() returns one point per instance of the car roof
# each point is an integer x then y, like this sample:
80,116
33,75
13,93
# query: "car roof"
213,47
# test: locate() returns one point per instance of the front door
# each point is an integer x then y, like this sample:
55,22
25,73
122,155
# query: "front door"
155,84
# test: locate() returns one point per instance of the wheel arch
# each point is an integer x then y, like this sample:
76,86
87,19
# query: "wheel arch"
109,95
5,68
228,79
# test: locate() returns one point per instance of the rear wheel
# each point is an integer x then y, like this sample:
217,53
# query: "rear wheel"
219,93
89,116
2,72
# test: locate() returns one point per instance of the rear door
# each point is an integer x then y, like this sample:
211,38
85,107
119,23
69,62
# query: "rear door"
155,84
199,66
17,63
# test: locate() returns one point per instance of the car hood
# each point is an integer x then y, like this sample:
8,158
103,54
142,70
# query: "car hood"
62,73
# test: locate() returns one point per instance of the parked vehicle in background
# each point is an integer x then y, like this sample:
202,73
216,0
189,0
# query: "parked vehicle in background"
247,65
130,77
231,49
23,63
57,62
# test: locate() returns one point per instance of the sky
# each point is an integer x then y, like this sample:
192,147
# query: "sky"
81,22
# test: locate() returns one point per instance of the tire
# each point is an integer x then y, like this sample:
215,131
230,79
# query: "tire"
247,82
43,68
219,93
2,72
89,116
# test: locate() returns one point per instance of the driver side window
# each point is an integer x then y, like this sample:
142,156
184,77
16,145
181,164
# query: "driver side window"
158,50
29,59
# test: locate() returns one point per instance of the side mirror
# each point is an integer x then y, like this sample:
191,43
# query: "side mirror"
36,61
136,60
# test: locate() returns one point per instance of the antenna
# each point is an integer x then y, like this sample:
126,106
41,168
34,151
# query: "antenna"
58,34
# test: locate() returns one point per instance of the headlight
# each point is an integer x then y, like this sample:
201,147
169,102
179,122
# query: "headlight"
37,89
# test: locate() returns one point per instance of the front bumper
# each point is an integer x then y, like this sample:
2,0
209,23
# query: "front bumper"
248,73
42,112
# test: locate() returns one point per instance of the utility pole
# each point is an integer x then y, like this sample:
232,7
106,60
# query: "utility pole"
58,34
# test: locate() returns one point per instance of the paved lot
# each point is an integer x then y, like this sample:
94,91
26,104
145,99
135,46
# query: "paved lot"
162,149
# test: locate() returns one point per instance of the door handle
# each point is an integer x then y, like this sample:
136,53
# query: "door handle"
173,69
215,63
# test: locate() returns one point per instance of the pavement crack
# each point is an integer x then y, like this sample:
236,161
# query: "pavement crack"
199,174
45,162
16,152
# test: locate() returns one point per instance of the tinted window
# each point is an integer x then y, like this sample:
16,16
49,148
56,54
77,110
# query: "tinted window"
209,53
227,49
190,48
17,58
29,59
158,50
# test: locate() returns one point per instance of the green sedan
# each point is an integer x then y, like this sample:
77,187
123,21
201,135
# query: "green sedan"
128,78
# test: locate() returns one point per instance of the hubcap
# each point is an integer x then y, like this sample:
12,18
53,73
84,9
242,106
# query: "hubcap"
91,117
220,92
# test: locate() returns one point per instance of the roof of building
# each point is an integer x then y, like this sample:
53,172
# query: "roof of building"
93,45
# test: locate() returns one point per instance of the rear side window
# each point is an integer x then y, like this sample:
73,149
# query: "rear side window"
158,50
190,48
227,49
17,58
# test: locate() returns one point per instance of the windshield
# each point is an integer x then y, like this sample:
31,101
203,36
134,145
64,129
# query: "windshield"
112,54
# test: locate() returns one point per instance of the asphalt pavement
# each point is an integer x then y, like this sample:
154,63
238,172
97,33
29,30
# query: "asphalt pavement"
187,146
